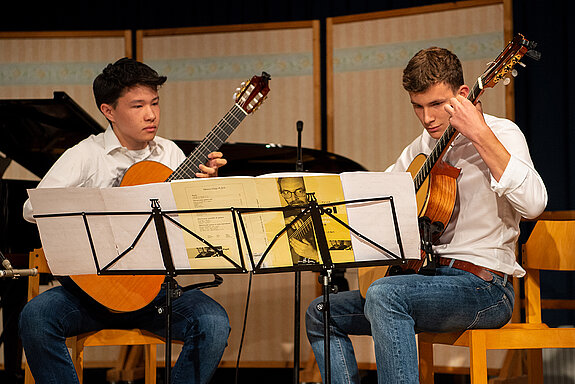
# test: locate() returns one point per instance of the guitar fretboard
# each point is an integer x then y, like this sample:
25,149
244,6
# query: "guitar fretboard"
212,142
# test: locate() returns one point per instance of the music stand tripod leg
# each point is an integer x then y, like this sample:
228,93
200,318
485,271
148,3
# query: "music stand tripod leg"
172,290
316,212
324,308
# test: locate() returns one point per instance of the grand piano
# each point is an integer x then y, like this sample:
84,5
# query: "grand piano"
35,132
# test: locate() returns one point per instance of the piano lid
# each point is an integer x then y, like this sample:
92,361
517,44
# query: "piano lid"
252,159
35,132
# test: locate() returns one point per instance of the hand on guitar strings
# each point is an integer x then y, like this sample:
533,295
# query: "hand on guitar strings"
210,169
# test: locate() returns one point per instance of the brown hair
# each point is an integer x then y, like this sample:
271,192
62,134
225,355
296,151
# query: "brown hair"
432,66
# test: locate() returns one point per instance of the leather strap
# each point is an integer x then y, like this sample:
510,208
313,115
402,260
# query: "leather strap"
481,272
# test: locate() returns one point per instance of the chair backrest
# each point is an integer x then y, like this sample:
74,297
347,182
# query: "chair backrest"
36,260
551,246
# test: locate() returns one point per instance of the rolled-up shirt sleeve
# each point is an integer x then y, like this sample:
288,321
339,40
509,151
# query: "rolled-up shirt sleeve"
523,188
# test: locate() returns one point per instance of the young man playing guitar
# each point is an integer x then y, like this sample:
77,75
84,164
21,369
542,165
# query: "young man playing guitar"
126,92
471,287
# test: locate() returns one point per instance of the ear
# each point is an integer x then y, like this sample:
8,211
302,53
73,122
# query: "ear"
463,90
108,111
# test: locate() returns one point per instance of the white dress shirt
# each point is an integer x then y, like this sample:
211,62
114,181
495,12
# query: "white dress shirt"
485,224
100,161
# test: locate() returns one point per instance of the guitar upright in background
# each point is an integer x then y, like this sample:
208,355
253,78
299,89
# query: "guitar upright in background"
124,293
434,180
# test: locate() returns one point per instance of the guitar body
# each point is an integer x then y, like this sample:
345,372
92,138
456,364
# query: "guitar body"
125,293
435,200
436,196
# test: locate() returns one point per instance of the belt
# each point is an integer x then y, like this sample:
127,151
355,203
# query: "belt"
481,272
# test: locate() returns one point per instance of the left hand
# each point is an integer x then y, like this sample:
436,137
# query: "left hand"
210,169
466,118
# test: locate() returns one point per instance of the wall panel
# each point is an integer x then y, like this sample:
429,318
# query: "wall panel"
34,65
372,119
205,66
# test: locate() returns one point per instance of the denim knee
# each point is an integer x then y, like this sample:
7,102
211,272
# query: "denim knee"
313,316
34,324
383,295
216,327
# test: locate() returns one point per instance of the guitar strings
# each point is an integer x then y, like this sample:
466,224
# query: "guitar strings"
211,142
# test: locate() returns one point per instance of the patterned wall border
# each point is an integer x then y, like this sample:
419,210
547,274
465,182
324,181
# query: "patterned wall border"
469,47
208,68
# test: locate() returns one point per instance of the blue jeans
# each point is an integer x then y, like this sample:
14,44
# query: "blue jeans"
395,309
47,320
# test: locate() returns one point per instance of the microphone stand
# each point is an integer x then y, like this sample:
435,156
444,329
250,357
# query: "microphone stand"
297,284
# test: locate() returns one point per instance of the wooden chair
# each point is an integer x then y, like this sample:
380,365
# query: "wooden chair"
551,246
133,340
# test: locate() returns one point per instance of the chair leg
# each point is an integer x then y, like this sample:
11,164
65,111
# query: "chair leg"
477,358
78,358
150,363
425,363
28,378
535,366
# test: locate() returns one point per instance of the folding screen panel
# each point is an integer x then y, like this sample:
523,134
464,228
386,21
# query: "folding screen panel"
205,65
33,65
370,118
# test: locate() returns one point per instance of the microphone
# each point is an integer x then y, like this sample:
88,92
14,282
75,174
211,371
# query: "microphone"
13,273
5,262
10,272
299,161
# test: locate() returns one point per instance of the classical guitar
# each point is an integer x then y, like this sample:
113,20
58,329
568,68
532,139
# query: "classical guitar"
435,181
124,293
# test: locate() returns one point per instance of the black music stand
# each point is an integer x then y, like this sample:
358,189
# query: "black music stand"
170,271
327,266
157,217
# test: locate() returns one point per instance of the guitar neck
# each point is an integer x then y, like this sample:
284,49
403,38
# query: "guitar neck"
212,142
443,142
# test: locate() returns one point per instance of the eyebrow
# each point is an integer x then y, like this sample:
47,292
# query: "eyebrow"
139,101
436,101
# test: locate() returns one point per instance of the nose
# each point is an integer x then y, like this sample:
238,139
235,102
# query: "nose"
150,114
428,116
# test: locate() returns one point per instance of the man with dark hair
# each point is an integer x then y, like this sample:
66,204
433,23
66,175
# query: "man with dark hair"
472,284
126,93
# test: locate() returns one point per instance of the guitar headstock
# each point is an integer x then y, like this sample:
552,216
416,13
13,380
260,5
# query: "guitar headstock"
507,59
253,93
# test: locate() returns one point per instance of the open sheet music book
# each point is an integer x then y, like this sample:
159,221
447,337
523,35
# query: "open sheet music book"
210,239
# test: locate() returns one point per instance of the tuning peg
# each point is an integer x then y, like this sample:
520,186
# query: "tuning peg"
506,81
514,72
